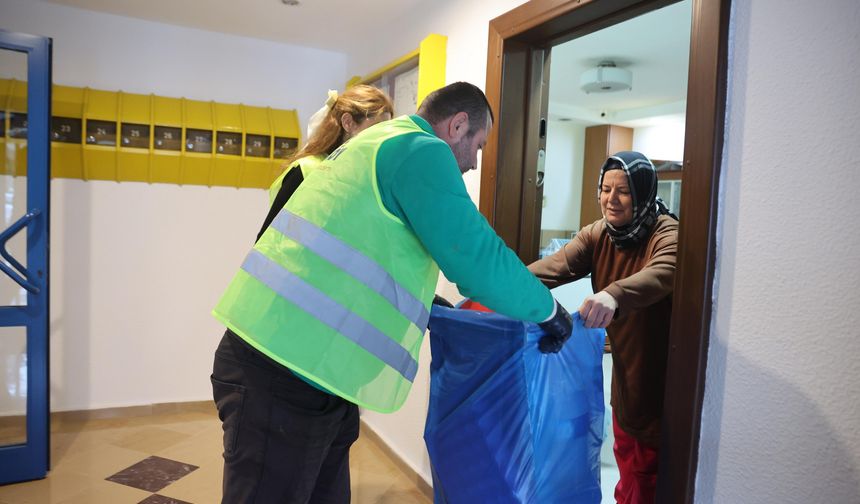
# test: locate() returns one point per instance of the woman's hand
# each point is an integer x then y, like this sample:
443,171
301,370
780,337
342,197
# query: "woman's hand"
598,310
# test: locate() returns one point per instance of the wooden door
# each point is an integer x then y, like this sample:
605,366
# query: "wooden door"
600,143
535,155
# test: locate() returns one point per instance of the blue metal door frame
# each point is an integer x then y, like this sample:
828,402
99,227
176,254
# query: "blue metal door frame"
31,460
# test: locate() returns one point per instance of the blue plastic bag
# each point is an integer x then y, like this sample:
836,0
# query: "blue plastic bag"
507,423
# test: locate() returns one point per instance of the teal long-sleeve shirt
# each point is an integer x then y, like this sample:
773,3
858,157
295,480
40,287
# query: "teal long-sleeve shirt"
420,183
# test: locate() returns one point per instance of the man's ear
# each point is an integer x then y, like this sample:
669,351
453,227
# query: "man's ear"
458,127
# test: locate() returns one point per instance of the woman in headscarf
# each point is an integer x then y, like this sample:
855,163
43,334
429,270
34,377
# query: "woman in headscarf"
630,254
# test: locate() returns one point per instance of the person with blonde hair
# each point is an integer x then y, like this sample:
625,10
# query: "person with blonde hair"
342,117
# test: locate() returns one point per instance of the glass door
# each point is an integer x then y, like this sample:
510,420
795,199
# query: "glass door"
25,111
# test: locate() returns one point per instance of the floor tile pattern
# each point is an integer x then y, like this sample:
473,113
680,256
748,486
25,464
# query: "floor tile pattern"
86,455
152,473
160,499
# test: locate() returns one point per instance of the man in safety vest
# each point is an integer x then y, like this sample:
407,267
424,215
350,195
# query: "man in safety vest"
328,310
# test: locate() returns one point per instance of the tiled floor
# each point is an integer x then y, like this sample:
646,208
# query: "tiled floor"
172,458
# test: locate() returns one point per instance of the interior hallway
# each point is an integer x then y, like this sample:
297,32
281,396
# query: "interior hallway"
166,456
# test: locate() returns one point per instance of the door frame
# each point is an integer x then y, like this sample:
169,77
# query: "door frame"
540,24
31,460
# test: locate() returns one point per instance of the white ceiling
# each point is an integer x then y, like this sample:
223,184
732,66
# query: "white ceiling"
324,24
654,46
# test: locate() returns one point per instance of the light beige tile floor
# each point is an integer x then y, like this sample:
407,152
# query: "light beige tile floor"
85,452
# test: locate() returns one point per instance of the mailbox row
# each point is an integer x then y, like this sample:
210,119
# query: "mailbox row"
107,135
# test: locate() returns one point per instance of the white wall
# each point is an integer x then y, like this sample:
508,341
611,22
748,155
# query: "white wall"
562,190
663,141
136,268
782,395
466,24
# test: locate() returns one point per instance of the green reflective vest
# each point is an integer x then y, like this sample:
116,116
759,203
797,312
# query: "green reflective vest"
338,289
307,165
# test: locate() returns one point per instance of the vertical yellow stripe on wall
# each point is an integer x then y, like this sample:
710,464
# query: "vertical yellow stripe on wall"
431,65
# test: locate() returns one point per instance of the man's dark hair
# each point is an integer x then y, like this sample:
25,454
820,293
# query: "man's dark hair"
457,97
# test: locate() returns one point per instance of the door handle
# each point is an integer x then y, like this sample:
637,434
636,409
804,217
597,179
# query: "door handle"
11,231
541,167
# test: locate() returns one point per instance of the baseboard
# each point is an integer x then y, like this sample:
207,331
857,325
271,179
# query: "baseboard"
368,433
135,411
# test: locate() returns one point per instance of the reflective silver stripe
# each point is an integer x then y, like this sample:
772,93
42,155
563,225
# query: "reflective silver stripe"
354,263
330,312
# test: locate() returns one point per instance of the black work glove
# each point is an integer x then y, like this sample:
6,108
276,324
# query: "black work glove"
439,300
557,330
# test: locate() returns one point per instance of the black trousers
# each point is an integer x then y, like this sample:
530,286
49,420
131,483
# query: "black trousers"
285,441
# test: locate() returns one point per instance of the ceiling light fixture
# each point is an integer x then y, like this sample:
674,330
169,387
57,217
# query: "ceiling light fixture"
291,3
606,78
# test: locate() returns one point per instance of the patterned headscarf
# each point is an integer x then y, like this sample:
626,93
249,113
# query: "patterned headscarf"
642,179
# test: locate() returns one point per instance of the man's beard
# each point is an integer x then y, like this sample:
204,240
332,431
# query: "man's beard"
461,153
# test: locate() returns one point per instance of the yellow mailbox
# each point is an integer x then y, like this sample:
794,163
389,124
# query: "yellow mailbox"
67,126
228,145
166,140
197,146
287,134
135,134
16,132
101,116
257,168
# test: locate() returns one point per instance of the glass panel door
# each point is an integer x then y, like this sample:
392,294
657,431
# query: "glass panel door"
13,340
25,99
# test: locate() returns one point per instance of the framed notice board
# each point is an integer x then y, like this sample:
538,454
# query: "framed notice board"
408,79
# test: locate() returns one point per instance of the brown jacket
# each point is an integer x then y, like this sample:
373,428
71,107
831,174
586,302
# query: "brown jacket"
641,280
